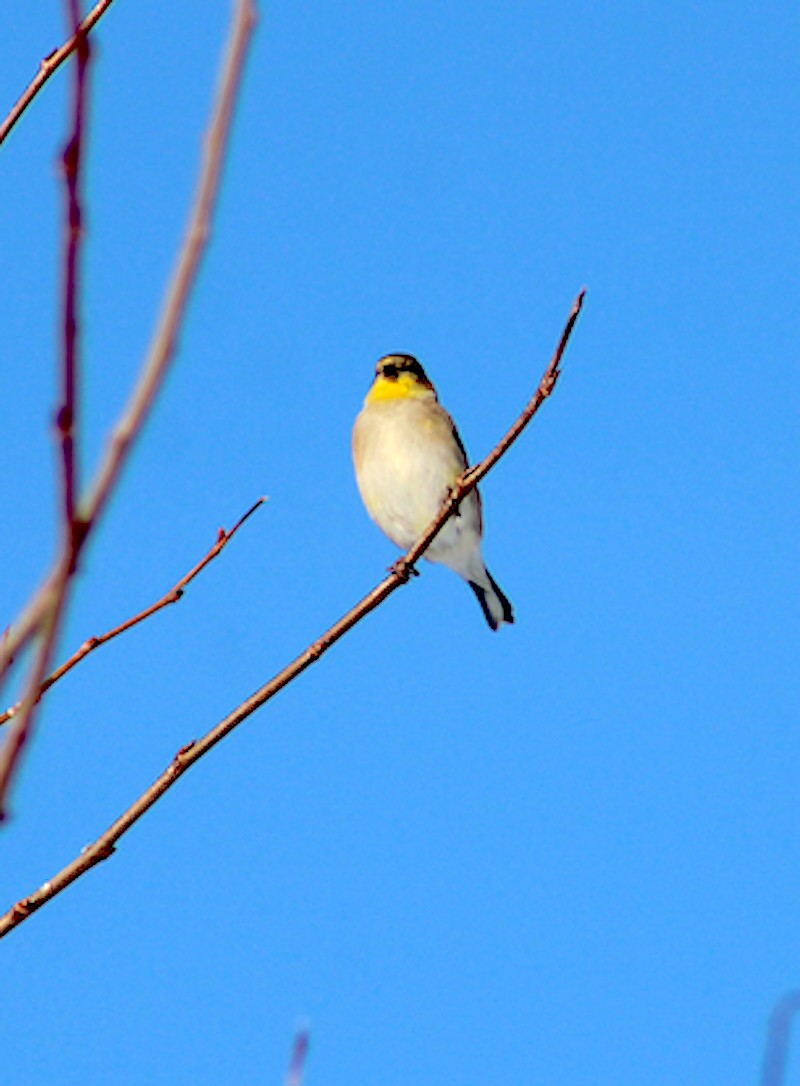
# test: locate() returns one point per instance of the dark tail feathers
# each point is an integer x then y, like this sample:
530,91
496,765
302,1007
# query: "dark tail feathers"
494,603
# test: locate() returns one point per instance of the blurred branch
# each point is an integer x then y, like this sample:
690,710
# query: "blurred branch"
37,614
72,530
776,1053
50,64
188,755
195,243
174,594
298,1061
72,161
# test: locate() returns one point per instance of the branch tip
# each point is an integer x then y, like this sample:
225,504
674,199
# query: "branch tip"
175,594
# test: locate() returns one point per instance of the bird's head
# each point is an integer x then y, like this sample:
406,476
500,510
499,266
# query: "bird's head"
400,377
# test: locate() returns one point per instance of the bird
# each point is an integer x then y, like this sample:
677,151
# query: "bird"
408,456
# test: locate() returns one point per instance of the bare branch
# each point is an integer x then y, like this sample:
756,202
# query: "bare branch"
18,636
50,64
298,1060
776,1052
72,533
35,616
72,161
188,755
548,383
162,348
174,594
53,612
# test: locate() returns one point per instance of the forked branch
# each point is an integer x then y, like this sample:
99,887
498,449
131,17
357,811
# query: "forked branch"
174,594
73,533
40,617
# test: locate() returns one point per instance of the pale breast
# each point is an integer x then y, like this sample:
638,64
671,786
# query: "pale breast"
406,462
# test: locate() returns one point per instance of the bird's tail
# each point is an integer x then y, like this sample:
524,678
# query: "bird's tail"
494,603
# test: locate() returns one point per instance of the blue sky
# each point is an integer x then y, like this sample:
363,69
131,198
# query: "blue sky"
566,852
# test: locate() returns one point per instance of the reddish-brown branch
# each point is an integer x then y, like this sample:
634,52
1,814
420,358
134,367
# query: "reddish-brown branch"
72,535
548,383
192,752
72,160
49,65
174,594
47,605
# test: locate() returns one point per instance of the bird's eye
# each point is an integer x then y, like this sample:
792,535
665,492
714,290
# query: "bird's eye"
390,372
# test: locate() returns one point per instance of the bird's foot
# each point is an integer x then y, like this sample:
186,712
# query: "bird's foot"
402,569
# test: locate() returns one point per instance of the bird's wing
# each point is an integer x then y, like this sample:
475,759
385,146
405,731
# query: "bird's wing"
463,451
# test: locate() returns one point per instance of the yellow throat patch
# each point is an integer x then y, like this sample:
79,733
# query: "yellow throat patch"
405,386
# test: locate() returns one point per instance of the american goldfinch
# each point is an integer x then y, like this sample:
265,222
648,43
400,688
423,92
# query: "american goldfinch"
408,456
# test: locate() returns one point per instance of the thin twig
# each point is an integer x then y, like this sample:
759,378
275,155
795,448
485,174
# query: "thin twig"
159,357
548,383
174,594
298,1061
49,65
188,755
72,533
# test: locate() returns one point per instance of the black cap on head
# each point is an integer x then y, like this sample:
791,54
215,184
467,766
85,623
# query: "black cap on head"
392,365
